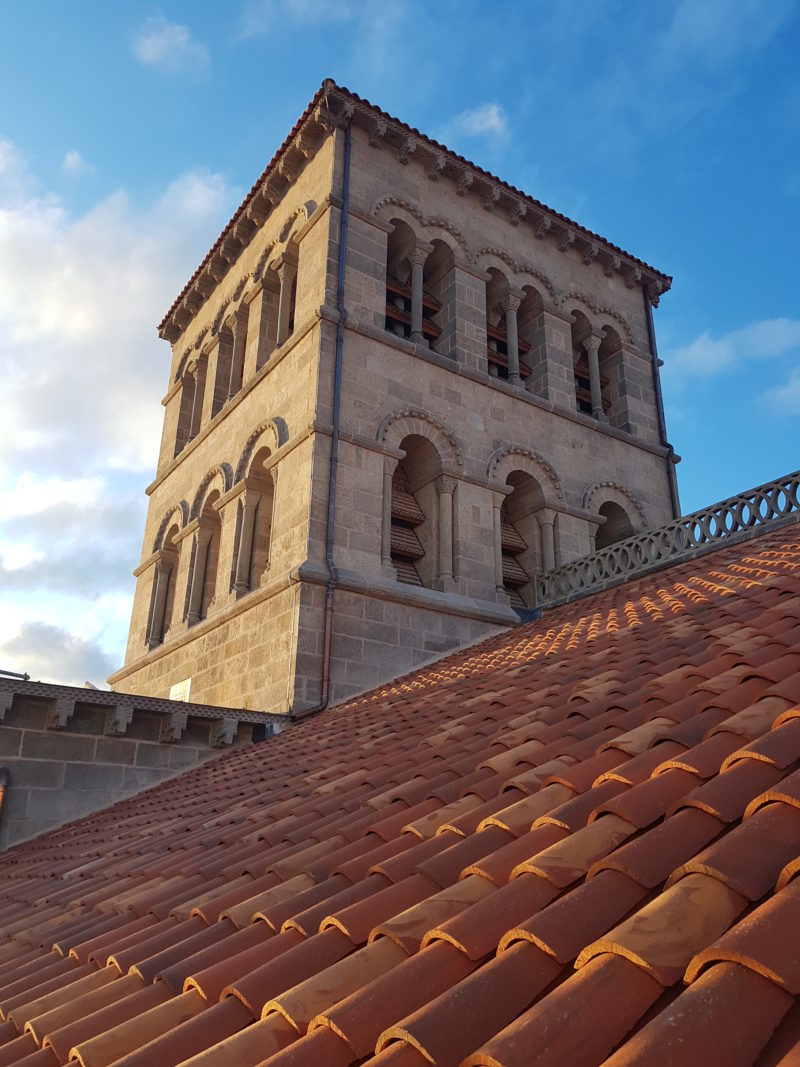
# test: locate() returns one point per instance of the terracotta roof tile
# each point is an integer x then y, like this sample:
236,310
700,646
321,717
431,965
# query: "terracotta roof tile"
410,877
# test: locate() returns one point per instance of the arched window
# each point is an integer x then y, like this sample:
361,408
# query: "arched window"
611,364
532,341
162,598
222,377
591,385
617,526
185,412
202,581
415,508
438,299
251,550
520,537
506,349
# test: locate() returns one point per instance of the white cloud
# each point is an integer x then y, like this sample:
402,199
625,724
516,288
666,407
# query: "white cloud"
52,654
75,165
259,17
169,46
485,120
82,372
783,399
706,355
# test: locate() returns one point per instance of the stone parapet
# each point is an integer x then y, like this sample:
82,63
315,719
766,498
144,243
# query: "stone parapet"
65,751
738,518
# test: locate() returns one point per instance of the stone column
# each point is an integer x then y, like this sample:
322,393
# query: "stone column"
287,272
445,487
249,505
162,575
591,346
497,501
510,307
389,466
417,257
546,518
239,331
203,537
199,393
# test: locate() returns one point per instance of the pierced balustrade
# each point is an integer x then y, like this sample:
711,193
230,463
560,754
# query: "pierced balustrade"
733,519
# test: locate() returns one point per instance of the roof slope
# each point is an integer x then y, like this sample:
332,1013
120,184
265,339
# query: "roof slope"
575,843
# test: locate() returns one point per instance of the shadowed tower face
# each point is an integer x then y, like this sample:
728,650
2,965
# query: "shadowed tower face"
495,413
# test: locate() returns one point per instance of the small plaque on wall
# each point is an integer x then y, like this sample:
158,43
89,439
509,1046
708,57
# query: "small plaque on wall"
180,691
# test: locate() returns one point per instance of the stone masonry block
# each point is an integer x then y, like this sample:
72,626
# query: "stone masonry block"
45,774
58,746
9,741
96,776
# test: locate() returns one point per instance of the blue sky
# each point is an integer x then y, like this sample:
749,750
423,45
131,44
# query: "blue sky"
129,133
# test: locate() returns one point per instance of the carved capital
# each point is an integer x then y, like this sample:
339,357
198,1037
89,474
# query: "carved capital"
545,516
592,342
513,300
419,254
445,485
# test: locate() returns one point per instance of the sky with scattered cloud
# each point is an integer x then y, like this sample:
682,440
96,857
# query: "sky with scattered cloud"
131,132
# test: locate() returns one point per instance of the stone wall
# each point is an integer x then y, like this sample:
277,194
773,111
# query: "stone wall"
67,752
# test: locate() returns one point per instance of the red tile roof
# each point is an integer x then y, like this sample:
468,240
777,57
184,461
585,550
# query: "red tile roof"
575,843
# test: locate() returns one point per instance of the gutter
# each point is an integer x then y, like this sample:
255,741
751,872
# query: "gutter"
334,456
662,425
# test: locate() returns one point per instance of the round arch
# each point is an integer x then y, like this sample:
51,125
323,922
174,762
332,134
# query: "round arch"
396,427
507,460
272,433
220,478
598,493
179,512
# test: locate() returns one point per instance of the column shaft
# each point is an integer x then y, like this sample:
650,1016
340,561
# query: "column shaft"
287,273
198,576
512,340
591,346
445,534
242,582
386,531
498,549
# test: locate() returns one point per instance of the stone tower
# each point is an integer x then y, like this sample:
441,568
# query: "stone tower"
399,390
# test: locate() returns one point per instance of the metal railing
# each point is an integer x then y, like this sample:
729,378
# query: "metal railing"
733,519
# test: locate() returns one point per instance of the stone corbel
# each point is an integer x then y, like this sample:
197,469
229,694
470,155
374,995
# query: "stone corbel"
541,224
6,700
406,149
518,212
118,719
566,237
60,713
591,250
611,263
464,185
633,276
437,166
377,133
491,198
223,732
172,727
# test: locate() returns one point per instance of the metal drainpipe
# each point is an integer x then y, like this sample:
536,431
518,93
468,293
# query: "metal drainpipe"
662,425
334,460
